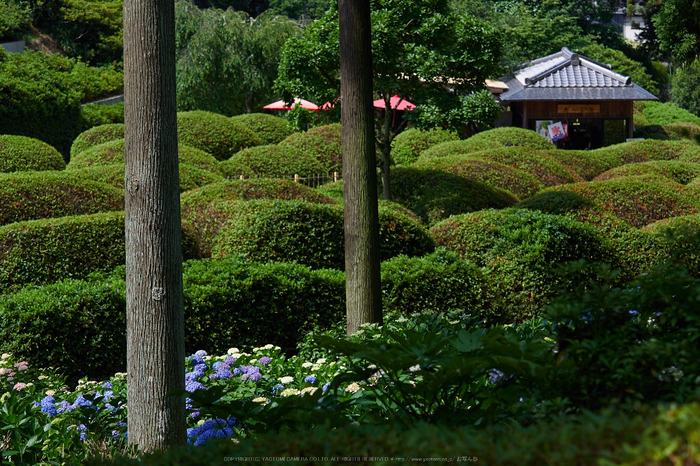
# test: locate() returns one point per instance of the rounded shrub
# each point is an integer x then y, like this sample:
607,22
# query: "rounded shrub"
647,150
408,145
215,134
22,153
35,195
191,177
463,146
547,170
47,250
334,190
519,250
112,152
268,128
638,200
95,136
310,234
512,136
494,174
680,172
438,282
321,143
434,195
678,238
271,162
585,163
205,210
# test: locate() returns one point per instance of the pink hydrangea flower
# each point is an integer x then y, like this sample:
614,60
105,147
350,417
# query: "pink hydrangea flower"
19,386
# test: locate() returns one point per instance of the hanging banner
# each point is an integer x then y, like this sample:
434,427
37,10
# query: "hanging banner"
556,131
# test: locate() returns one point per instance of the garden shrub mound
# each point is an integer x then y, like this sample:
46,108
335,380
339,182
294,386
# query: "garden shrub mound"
518,137
48,250
35,195
191,177
537,163
95,136
205,210
585,163
435,195
638,200
679,237
647,150
518,250
215,134
438,282
270,161
310,234
463,146
112,152
635,248
334,190
79,326
658,113
680,172
97,115
22,153
321,143
494,174
408,145
268,128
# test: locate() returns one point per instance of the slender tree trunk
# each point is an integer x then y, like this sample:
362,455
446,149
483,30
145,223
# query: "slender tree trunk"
362,273
155,319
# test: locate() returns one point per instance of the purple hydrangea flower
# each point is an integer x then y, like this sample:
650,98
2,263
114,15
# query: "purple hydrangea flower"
201,353
196,359
310,379
48,406
216,365
237,371
230,360
200,367
116,434
255,376
82,401
265,360
194,414
325,387
224,374
193,386
252,370
107,385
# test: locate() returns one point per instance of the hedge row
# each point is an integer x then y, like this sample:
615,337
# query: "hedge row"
308,233
22,153
35,195
464,146
48,250
215,134
408,145
268,128
96,135
191,177
497,175
513,136
435,195
112,152
270,161
680,172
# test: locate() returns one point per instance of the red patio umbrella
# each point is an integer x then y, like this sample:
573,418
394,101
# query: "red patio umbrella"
394,104
282,105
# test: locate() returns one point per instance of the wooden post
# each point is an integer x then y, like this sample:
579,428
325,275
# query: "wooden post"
296,178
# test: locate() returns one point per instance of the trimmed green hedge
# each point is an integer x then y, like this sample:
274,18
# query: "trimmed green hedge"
518,250
310,234
408,145
648,150
666,113
494,174
191,177
435,195
638,200
96,135
321,143
35,195
334,190
112,152
680,172
464,146
205,210
101,114
585,163
537,163
440,282
48,250
22,153
680,234
271,162
268,128
648,437
79,326
518,137
215,134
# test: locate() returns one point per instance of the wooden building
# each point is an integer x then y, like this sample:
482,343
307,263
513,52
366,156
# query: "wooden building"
593,103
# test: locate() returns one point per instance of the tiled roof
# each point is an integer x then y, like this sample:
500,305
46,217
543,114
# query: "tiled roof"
569,76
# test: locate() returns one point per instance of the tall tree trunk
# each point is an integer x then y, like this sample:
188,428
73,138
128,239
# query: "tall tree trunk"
362,273
155,318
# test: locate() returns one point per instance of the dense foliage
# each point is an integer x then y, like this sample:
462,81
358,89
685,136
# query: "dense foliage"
213,133
408,145
21,153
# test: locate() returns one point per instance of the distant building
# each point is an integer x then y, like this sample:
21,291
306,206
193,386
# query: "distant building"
629,26
592,102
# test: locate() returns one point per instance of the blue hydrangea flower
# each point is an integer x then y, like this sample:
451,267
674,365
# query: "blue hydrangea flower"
200,367
194,414
232,421
255,376
204,436
325,386
277,388
265,360
237,371
192,432
216,365
48,405
193,386
224,374
196,359
107,385
116,434
208,424
230,360
252,370
310,379
81,401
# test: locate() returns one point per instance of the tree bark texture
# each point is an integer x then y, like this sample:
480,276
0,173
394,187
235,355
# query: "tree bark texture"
362,273
155,317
